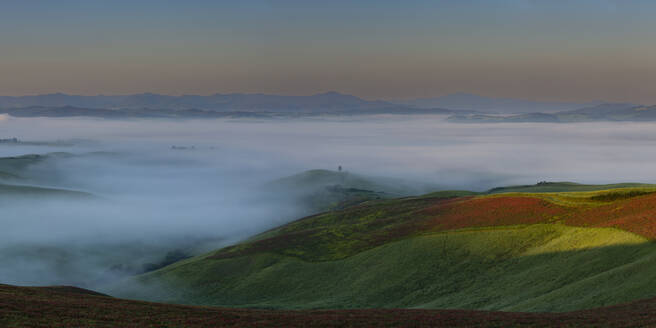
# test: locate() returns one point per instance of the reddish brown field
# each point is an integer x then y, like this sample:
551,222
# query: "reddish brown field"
637,215
491,211
70,307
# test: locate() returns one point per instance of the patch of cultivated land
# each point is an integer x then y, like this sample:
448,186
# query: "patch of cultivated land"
70,307
511,252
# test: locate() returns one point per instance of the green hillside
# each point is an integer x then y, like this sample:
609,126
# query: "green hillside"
523,268
511,252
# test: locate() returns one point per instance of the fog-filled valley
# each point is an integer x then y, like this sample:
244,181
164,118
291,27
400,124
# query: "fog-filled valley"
151,192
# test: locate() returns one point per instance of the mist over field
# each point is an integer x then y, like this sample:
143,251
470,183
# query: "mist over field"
151,200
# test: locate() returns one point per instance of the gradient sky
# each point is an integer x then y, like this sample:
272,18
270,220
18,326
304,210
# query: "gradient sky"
546,50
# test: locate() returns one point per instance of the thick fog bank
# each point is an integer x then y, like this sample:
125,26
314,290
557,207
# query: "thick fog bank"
169,189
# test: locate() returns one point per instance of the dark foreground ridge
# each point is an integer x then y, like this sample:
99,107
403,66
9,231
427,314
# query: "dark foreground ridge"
74,307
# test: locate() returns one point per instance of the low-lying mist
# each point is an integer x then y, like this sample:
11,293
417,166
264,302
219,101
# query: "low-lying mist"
164,190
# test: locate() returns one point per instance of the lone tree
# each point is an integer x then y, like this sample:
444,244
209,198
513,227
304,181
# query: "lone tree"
339,168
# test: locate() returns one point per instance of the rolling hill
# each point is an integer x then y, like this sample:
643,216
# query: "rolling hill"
74,307
557,251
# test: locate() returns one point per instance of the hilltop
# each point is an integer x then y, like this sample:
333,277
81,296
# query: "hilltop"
323,190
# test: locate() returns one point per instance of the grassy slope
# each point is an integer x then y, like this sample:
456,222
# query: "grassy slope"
522,268
68,307
509,251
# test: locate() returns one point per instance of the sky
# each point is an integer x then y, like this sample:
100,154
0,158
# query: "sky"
542,50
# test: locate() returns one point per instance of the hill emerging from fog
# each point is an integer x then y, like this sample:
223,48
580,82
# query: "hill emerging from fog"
324,190
74,307
513,251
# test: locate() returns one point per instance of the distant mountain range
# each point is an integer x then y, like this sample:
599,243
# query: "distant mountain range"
193,106
461,106
603,112
471,102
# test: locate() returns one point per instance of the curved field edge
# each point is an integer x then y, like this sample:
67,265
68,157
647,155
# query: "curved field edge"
48,307
542,267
